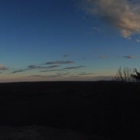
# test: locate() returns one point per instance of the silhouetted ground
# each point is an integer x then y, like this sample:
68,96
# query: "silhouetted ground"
108,109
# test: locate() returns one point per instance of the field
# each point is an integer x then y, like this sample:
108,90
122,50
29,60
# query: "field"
104,109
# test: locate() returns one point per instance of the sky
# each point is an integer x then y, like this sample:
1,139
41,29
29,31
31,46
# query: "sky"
59,40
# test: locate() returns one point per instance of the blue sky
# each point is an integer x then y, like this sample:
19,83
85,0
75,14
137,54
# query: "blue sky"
54,40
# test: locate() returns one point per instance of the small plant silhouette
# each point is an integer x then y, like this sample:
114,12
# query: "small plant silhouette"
123,75
136,76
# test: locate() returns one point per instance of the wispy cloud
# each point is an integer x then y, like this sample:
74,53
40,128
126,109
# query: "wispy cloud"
121,14
42,67
20,70
138,40
102,56
35,67
51,70
52,66
66,55
97,29
47,67
129,56
84,74
59,62
76,67
94,30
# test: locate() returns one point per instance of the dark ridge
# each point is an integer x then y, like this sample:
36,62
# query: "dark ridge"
105,108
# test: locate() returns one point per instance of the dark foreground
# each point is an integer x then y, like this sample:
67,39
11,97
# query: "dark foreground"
107,109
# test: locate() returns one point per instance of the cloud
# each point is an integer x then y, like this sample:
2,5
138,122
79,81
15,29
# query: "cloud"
66,55
32,67
35,67
121,14
129,57
59,62
20,70
52,66
76,67
97,29
66,68
50,70
85,73
3,67
42,67
138,40
102,56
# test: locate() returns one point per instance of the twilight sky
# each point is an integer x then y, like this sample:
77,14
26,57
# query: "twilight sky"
51,40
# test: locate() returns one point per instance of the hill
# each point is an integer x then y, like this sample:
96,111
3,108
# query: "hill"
109,109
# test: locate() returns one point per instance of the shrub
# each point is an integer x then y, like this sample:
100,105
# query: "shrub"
124,75
136,76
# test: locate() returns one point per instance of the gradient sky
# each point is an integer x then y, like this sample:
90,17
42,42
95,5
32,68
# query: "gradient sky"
52,40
